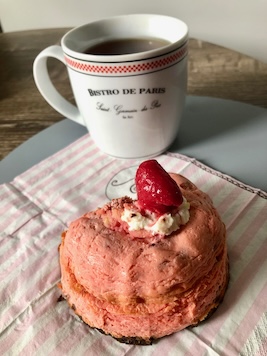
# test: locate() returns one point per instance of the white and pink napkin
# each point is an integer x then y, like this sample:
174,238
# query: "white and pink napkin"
39,204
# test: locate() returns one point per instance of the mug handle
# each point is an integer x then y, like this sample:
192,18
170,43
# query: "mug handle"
46,87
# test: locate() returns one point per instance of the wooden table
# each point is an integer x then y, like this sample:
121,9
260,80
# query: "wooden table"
213,71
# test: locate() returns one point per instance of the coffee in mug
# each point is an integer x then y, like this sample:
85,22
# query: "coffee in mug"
129,77
126,46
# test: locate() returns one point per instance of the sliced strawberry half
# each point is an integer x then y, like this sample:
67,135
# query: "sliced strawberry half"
156,190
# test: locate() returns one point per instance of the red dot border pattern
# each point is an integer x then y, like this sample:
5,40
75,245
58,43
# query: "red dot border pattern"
127,68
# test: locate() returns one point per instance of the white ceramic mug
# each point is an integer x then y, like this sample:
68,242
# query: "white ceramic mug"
130,103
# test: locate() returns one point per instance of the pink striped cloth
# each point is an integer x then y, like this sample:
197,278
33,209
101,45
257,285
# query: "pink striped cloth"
40,203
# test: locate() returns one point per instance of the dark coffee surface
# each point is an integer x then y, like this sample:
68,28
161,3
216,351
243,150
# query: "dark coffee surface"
126,46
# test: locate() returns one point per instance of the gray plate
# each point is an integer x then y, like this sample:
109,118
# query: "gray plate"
228,136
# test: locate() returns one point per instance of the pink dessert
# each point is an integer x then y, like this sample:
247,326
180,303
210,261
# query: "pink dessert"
143,269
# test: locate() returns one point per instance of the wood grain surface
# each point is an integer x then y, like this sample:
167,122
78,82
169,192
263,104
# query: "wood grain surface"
212,71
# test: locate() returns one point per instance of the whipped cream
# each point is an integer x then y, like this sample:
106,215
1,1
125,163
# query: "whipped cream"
163,225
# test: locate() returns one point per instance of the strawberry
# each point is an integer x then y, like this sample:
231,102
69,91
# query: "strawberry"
156,190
